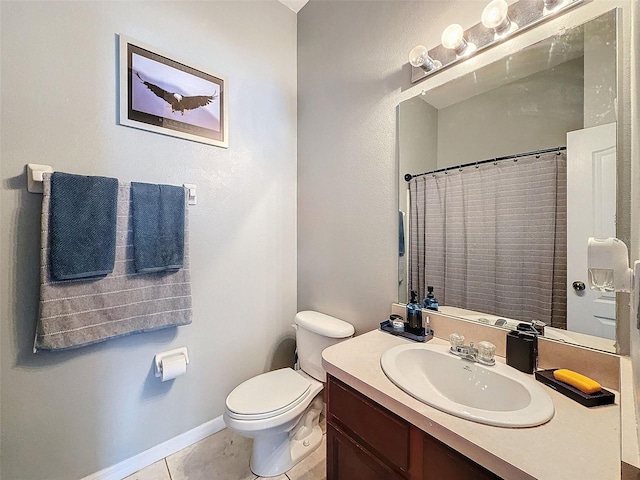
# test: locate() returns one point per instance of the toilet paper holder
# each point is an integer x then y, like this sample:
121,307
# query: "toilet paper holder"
169,353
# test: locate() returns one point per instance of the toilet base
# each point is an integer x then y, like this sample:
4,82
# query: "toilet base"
275,454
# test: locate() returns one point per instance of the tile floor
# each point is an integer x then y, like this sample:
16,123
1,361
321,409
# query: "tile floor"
225,456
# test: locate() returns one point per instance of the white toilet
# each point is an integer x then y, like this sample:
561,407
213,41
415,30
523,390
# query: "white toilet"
280,409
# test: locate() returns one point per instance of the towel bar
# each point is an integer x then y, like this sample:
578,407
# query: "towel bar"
36,171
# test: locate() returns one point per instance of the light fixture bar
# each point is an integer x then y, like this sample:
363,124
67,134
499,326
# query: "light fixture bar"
522,15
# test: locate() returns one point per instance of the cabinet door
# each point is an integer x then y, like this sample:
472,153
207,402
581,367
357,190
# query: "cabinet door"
381,432
442,462
347,460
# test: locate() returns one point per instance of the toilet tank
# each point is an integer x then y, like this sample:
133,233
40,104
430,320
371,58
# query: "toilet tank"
314,332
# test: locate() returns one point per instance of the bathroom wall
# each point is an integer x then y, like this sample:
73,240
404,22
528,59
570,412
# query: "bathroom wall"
505,115
353,72
504,121
417,140
68,414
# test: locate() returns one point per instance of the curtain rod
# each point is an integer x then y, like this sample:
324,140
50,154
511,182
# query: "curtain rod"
408,176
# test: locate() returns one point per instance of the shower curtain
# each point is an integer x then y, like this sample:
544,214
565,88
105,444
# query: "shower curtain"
492,237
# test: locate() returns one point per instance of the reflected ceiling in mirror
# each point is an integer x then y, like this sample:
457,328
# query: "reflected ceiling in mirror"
525,102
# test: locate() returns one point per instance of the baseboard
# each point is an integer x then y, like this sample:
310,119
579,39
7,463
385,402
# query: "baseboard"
146,458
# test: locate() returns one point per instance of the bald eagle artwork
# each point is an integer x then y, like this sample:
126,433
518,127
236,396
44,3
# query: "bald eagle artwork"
163,95
179,103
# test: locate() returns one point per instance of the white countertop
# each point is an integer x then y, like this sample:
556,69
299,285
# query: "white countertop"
577,443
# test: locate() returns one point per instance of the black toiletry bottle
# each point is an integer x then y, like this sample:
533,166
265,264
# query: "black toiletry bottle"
522,349
414,312
430,301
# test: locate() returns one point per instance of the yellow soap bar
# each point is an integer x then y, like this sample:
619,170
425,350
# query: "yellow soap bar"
582,383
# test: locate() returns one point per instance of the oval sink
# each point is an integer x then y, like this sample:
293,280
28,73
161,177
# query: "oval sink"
497,395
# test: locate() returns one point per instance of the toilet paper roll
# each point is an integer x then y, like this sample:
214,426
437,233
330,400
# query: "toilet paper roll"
173,367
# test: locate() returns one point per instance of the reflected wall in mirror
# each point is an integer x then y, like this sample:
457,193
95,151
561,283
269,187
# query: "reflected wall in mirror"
506,239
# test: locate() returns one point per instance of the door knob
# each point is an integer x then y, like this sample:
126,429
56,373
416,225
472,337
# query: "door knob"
579,286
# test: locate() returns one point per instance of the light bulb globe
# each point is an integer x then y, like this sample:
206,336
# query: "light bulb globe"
418,55
494,14
452,36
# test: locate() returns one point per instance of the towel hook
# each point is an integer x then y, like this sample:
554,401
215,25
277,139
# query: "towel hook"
191,193
35,176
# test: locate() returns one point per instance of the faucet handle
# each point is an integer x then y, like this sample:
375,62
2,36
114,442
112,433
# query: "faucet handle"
456,340
486,352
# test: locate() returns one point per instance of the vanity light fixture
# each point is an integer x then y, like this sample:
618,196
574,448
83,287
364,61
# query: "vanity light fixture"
551,6
419,58
453,39
495,16
500,21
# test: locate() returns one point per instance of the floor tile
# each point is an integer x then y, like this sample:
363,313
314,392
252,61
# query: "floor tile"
279,477
222,456
313,467
155,471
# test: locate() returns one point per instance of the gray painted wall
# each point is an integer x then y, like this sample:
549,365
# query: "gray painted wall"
506,120
68,414
352,74
417,141
352,59
501,121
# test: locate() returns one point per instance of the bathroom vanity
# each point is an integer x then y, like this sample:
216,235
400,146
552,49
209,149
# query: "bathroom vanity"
367,441
377,431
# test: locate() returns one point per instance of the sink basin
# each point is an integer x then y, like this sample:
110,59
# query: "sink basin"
494,395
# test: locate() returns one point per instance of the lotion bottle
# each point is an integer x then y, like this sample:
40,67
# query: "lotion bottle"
414,312
430,301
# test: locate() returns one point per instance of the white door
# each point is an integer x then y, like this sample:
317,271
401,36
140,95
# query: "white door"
591,212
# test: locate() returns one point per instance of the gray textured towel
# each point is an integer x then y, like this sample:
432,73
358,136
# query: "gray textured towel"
80,312
158,226
83,225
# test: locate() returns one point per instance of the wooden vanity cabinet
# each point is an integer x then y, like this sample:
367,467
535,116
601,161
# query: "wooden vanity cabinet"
365,441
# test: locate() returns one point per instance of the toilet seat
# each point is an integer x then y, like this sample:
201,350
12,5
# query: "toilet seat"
268,395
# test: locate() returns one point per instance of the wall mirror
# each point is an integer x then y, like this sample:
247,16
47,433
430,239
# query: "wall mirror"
513,166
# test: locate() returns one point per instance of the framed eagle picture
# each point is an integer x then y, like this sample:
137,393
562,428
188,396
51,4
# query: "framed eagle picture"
166,96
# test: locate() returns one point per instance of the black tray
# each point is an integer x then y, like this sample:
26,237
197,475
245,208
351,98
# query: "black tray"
603,397
419,335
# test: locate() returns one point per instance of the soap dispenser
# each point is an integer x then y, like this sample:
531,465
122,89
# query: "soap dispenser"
414,313
430,302
522,348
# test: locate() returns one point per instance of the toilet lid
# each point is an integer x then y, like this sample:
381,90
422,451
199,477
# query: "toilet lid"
268,394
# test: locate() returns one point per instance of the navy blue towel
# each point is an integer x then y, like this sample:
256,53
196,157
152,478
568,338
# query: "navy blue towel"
82,223
158,226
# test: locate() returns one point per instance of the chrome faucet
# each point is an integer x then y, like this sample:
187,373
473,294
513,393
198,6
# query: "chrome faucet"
484,354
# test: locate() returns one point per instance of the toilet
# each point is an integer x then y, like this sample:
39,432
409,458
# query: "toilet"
280,409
